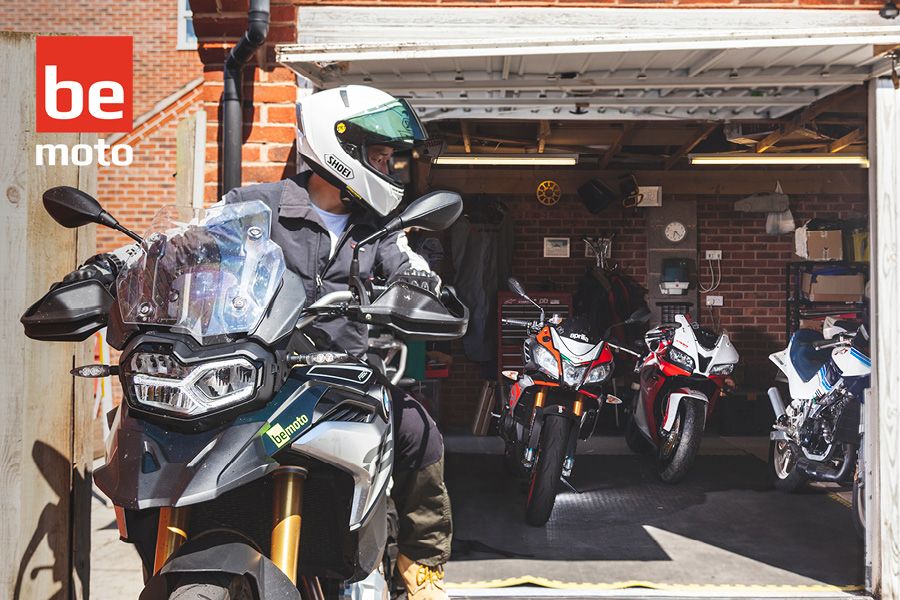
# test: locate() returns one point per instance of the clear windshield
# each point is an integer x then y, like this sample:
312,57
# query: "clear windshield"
206,272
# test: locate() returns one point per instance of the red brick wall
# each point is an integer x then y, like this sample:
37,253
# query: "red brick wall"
752,273
159,69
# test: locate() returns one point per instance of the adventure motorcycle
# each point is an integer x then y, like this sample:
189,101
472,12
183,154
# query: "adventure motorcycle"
234,426
817,436
680,380
553,403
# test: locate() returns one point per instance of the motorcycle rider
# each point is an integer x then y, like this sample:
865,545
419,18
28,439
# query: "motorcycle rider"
355,143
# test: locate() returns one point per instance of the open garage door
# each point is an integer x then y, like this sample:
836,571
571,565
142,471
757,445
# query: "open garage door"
630,92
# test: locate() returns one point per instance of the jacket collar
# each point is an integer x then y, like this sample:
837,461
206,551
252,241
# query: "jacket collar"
295,203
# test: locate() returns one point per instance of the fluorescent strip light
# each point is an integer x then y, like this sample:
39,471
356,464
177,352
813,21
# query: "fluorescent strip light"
779,159
558,160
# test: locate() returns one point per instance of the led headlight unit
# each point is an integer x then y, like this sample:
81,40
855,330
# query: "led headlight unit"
160,381
546,361
724,369
573,374
599,373
682,359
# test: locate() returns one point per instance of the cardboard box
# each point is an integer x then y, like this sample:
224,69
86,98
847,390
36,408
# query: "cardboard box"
859,246
833,288
819,245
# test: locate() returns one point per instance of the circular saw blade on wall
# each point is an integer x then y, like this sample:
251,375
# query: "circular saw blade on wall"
548,192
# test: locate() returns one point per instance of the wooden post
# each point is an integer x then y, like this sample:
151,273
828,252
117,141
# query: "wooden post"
44,441
190,160
883,413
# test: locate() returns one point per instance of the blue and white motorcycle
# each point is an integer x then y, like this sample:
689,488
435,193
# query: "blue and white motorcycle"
817,436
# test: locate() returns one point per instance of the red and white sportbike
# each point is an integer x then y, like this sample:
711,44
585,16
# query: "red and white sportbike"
681,378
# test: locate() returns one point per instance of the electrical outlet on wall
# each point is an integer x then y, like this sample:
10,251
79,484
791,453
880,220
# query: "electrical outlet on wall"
713,255
714,300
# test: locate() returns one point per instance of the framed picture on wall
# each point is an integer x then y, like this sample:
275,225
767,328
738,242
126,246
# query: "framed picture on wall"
556,247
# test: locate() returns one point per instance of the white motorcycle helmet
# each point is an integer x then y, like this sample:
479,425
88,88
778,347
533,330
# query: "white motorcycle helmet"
336,130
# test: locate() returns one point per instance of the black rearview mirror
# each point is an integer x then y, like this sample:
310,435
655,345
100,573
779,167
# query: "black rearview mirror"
641,315
70,207
434,211
516,287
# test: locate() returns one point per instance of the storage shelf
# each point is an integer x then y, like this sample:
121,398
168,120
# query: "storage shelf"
797,307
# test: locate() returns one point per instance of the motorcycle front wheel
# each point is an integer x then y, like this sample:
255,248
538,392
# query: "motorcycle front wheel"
783,459
547,470
212,586
676,452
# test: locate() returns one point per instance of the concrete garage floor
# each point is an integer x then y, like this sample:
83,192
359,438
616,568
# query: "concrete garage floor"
721,532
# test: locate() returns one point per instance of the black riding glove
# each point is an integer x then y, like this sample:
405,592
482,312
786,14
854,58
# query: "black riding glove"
422,279
100,267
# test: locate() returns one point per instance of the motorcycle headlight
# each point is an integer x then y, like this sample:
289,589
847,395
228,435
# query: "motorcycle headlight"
573,374
160,381
725,369
599,373
682,359
546,361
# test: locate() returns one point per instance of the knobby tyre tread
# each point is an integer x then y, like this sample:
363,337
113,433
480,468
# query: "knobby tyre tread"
547,470
214,586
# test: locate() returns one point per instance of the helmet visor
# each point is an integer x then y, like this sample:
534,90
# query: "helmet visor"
386,139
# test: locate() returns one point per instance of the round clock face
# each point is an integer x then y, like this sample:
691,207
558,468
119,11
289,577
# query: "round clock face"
675,231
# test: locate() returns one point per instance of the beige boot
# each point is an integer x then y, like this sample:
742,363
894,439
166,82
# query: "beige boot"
422,582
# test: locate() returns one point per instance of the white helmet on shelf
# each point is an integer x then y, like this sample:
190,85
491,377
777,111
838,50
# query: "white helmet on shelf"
362,141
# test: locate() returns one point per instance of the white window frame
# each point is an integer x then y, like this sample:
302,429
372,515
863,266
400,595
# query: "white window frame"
185,14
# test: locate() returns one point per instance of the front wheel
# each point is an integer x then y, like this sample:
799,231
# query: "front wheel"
212,586
783,458
676,452
547,470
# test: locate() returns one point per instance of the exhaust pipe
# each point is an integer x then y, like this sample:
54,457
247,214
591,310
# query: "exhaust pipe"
777,403
819,472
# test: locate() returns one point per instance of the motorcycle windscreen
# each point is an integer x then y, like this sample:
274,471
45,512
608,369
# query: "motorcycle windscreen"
204,272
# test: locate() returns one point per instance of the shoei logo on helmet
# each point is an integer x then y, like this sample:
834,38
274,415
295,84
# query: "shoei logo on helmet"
342,169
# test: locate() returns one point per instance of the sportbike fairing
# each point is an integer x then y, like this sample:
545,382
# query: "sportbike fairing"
205,272
337,415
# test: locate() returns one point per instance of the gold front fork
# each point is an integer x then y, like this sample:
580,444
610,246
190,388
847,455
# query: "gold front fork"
171,533
287,512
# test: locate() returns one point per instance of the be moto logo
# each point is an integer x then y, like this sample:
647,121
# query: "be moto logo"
84,84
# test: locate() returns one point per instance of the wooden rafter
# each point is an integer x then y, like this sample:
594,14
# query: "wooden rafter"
467,142
844,141
808,114
617,144
543,134
702,134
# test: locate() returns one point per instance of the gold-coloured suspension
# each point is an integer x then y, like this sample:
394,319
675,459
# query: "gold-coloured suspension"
171,533
287,512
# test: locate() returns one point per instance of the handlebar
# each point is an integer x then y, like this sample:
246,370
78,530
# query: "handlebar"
625,350
840,340
518,322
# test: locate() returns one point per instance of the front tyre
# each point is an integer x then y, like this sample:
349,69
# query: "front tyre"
212,586
783,458
547,470
676,452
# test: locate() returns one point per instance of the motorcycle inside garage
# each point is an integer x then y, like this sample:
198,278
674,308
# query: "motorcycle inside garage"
745,178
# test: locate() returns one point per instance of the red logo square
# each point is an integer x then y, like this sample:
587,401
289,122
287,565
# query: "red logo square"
84,84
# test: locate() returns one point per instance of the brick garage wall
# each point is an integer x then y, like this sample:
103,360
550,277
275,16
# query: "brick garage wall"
752,273
159,69
269,91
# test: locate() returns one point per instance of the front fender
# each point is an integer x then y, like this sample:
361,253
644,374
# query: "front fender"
675,399
234,558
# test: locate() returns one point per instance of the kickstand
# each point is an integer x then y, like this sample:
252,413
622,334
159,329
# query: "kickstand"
569,485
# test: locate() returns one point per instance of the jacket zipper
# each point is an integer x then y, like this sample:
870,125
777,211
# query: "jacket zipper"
341,241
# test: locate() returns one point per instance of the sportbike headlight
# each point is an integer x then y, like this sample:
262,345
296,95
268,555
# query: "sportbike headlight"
724,369
599,373
546,361
573,374
682,359
160,381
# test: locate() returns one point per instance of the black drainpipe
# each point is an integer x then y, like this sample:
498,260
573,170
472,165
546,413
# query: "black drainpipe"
232,117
